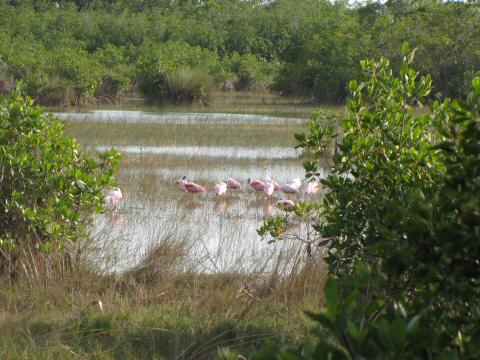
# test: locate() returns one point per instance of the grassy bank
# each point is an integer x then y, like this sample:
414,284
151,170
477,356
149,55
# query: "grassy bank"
256,102
90,133
174,316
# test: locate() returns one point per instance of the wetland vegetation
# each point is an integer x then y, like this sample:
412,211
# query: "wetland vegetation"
83,51
383,260
163,253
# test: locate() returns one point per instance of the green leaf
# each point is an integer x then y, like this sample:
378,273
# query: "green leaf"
352,330
405,48
412,325
352,85
324,319
411,56
331,293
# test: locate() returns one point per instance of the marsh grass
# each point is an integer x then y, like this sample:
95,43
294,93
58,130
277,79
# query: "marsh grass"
156,311
186,84
228,102
179,276
169,299
93,133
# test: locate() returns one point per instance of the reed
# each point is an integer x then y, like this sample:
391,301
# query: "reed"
178,276
157,309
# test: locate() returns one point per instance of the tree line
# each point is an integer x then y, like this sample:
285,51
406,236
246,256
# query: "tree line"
76,51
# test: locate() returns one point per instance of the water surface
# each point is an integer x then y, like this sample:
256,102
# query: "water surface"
140,117
213,234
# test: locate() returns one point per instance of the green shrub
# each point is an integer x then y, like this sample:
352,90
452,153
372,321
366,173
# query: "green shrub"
245,71
115,73
402,198
159,63
49,188
78,71
185,84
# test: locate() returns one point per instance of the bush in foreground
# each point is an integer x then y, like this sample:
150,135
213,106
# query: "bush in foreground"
49,188
400,222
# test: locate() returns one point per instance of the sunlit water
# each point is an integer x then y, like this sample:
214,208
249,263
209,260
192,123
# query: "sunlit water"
217,234
140,117
223,152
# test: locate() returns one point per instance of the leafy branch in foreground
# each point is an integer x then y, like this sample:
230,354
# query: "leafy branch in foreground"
401,217
49,188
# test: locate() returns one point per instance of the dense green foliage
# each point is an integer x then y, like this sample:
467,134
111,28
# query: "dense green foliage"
325,51
78,51
400,222
49,188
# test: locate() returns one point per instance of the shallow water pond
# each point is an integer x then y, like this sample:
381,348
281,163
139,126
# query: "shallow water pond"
211,233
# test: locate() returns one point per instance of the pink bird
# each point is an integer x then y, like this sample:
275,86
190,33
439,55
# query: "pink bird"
113,197
289,189
190,187
181,183
268,187
276,186
285,204
296,183
312,188
233,184
220,188
256,185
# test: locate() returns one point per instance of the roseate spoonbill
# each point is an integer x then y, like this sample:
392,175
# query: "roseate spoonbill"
113,197
268,188
296,183
220,188
233,184
312,188
289,189
181,183
276,186
256,185
285,204
189,186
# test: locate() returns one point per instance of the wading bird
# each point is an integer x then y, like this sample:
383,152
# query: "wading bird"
113,197
268,188
189,186
233,184
220,188
296,183
256,185
289,188
312,188
292,188
276,185
181,183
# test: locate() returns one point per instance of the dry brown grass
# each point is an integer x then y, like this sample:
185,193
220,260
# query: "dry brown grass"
51,311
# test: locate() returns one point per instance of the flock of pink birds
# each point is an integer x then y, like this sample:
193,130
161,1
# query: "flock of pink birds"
267,185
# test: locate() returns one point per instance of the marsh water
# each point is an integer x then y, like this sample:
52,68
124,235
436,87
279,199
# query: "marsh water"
207,232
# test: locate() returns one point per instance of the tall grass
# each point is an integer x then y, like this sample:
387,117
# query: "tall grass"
186,84
158,300
229,102
98,133
166,291
158,309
